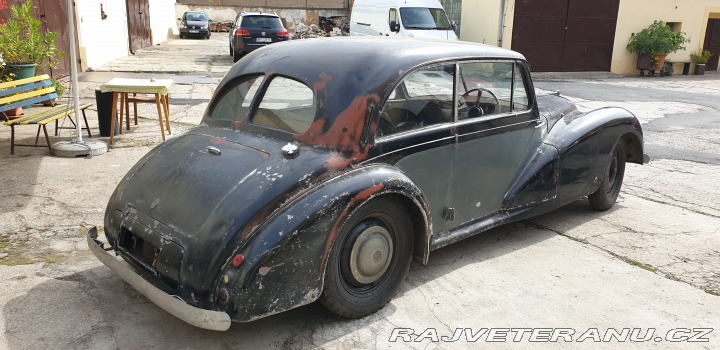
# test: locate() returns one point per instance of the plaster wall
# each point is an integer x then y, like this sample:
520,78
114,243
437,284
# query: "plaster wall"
163,21
635,15
481,23
101,40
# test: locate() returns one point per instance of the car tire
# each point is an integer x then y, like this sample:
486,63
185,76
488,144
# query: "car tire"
606,195
236,56
231,51
369,259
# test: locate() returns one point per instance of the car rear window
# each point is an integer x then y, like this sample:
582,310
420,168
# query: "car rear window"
261,22
234,103
287,105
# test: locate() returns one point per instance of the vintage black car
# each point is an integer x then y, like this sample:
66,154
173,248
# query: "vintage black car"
313,177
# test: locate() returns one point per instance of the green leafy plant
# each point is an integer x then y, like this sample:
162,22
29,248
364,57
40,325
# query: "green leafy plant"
59,88
657,39
700,57
22,40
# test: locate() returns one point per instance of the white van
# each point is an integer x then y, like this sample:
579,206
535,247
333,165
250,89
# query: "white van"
411,18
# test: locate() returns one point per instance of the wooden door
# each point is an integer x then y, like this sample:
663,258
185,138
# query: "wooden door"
712,43
138,12
565,35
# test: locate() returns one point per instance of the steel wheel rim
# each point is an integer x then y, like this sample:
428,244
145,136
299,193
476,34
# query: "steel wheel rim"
613,170
371,255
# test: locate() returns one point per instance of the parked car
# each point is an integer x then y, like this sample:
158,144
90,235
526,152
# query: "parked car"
253,30
194,23
309,181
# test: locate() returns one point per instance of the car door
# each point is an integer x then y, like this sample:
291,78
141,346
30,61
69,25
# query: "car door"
498,131
415,133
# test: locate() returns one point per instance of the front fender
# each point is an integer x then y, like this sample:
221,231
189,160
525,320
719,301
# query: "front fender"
285,258
584,143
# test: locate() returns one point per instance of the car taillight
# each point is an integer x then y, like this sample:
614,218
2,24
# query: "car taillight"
282,34
241,32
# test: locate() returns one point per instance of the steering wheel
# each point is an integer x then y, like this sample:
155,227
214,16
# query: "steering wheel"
479,90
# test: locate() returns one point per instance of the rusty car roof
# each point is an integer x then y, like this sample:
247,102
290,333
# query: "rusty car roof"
350,74
358,65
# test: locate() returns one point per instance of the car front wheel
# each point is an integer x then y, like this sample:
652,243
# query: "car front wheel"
369,259
606,195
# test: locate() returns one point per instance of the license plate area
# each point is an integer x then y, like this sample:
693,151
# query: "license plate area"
263,40
162,260
194,31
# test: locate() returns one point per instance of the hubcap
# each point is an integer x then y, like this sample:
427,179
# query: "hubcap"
371,254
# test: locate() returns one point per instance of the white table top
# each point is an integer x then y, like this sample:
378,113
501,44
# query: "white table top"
141,86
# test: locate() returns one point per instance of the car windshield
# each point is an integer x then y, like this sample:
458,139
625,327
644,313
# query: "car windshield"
423,18
261,22
195,17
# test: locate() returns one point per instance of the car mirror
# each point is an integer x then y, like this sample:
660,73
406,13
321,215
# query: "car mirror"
453,25
394,26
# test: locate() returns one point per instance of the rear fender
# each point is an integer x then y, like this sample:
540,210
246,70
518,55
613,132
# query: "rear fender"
285,259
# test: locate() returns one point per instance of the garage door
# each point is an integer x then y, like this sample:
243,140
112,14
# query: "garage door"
565,35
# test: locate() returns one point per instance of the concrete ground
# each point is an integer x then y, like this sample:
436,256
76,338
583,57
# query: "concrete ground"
651,262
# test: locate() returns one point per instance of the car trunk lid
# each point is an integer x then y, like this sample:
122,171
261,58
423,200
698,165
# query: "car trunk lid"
188,181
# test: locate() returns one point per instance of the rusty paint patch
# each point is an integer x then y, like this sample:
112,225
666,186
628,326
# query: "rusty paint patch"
346,132
359,198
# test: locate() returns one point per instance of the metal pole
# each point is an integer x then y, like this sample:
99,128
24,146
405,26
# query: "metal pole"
73,67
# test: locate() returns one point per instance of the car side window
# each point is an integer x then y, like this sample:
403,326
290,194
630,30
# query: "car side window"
234,104
485,88
287,105
520,96
422,98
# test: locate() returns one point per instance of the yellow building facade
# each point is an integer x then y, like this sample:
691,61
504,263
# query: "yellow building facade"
493,22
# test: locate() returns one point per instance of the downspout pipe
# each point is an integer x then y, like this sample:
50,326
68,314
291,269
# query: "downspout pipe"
502,23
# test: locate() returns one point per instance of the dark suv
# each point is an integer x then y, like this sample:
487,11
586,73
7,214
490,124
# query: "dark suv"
254,30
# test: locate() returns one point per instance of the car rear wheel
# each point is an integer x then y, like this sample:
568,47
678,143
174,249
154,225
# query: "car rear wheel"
236,56
231,50
606,195
369,259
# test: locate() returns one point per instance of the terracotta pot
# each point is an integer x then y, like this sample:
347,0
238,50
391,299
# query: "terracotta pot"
50,103
660,63
14,113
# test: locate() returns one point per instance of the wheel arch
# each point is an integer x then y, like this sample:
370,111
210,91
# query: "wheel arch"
285,260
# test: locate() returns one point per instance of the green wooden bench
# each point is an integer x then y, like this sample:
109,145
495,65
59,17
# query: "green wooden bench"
23,92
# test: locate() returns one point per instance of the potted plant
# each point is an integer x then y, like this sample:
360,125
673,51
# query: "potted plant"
700,58
59,90
24,46
653,43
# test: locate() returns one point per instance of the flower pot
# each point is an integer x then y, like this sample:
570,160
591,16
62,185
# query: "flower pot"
20,71
51,102
14,113
699,69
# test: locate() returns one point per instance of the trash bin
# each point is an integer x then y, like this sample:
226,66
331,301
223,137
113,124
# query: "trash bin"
103,101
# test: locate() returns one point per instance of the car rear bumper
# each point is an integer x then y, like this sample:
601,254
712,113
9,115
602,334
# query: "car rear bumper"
207,319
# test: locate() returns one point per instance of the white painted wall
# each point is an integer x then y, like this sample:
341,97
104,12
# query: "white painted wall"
163,22
99,40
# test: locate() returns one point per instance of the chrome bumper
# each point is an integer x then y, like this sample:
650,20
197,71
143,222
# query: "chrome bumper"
208,319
